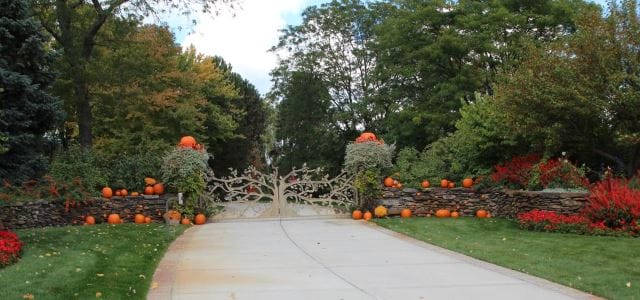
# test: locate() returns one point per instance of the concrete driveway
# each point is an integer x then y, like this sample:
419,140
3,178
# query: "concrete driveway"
330,259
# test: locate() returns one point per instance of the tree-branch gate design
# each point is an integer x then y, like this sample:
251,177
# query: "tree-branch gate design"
282,193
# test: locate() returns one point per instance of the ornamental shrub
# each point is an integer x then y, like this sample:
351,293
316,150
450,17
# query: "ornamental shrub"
183,170
10,248
540,220
368,156
614,204
367,162
516,172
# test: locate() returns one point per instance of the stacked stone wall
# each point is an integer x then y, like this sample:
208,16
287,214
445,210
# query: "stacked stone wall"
44,213
503,203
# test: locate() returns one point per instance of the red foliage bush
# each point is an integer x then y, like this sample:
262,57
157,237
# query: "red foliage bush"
551,221
560,173
10,247
517,172
614,203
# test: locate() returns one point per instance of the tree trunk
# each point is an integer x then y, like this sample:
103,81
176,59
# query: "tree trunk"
83,107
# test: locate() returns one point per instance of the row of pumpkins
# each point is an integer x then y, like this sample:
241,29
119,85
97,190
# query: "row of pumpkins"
444,183
114,218
152,187
381,212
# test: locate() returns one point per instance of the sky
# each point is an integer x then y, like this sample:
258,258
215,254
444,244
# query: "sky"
243,40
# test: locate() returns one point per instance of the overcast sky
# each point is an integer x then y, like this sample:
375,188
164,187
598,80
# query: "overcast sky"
243,40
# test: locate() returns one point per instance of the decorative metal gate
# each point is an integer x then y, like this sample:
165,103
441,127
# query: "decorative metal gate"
273,195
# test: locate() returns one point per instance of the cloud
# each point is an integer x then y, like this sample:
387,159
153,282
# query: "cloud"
244,40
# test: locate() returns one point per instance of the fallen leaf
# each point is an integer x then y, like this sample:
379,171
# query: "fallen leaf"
628,284
98,294
27,296
78,269
142,276
99,274
154,285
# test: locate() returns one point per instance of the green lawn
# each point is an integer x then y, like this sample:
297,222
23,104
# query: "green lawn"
605,266
83,262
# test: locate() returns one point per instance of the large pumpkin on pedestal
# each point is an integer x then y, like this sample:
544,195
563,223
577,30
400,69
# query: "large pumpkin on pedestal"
158,188
187,141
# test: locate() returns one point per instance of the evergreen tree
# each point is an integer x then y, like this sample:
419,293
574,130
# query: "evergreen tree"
27,111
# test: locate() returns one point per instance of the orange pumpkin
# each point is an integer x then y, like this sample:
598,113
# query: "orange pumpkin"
467,182
147,220
185,221
443,213
380,211
452,184
188,141
357,214
89,220
148,190
118,193
124,192
368,136
107,192
149,181
455,214
135,194
114,219
405,213
481,213
444,183
200,219
139,219
158,188
367,216
425,184
388,182
399,185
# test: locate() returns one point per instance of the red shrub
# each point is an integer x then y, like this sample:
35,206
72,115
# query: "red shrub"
551,221
560,173
10,247
614,204
517,171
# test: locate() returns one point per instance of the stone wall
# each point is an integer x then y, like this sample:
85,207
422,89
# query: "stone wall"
504,203
42,213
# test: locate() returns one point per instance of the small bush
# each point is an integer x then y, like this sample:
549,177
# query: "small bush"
77,164
129,170
540,220
368,161
516,172
10,248
183,170
361,157
614,204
